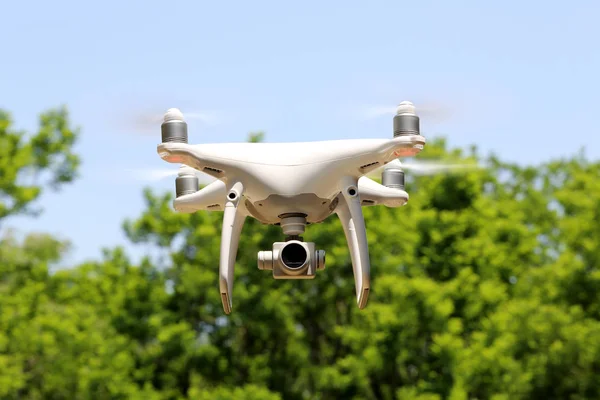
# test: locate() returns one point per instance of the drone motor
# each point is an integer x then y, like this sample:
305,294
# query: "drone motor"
392,177
174,128
187,182
406,121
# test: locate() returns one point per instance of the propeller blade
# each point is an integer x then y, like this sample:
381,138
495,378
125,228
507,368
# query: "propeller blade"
432,168
432,111
150,120
157,174
143,114
425,167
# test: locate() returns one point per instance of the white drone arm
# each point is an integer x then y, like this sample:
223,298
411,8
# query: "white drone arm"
349,211
402,146
372,193
212,197
233,221
382,153
191,155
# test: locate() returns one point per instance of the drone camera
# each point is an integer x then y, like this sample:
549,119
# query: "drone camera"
292,259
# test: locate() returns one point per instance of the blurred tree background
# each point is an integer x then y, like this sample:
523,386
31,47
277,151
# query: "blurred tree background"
485,286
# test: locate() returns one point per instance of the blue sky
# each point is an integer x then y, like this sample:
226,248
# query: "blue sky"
518,78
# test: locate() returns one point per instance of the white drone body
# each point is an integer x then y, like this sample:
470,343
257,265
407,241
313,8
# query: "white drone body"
291,185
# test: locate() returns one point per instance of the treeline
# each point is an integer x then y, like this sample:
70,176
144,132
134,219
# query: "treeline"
485,286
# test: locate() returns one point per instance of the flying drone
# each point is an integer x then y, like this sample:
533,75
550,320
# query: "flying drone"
291,185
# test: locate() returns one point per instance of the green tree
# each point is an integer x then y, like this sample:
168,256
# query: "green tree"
102,330
483,287
31,162
51,347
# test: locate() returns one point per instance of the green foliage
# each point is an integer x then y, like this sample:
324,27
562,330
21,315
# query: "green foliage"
28,163
485,286
256,137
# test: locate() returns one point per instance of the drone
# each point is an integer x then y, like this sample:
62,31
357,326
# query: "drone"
291,185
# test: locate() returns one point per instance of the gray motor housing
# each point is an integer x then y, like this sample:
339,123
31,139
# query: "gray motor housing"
174,131
393,178
406,124
186,184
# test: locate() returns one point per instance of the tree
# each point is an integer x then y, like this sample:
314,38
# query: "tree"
31,162
485,286
102,330
471,292
50,347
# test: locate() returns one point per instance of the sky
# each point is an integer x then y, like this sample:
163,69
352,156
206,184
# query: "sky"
516,78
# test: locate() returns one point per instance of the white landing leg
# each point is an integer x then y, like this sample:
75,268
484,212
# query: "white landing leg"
233,221
349,211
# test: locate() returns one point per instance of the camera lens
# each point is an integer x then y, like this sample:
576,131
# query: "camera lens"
294,255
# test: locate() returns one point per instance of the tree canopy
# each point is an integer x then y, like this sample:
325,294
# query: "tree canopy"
485,286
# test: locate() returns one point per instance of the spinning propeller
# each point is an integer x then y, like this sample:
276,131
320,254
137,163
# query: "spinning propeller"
392,174
158,174
428,110
146,121
150,121
425,167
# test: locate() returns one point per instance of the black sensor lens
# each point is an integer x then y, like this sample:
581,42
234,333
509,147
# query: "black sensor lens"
294,255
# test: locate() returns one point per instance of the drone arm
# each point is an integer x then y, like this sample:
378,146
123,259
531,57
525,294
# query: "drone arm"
401,146
233,221
212,197
350,213
405,146
195,157
373,193
386,151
